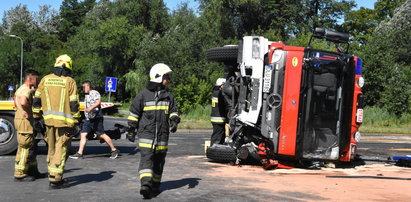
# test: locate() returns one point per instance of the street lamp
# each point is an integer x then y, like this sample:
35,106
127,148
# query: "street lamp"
21,64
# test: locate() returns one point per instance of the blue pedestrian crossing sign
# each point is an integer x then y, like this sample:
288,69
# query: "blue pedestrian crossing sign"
10,88
111,84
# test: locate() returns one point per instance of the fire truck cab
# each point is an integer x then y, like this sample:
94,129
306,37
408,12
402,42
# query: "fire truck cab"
290,103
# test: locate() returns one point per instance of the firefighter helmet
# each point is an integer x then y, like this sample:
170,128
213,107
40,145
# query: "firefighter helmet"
220,81
64,60
158,71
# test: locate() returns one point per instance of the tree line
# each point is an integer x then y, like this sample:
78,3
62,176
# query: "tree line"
124,38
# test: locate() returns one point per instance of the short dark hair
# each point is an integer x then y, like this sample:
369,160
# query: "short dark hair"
88,83
30,72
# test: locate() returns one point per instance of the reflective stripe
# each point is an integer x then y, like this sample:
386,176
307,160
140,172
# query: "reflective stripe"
165,147
132,118
150,141
158,107
145,171
62,100
153,103
218,119
60,169
135,115
47,98
74,98
142,140
22,163
55,170
145,145
146,175
36,110
37,94
76,115
214,101
156,179
173,114
58,116
149,145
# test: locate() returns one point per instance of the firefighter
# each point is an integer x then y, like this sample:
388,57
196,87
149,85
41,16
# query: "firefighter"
26,162
153,114
56,100
218,113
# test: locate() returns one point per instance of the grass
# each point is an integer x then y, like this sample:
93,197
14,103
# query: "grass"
378,120
197,118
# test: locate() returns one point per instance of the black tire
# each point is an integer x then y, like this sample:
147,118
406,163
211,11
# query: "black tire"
226,54
221,153
8,135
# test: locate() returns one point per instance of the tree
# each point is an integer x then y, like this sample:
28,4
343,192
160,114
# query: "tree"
72,13
388,69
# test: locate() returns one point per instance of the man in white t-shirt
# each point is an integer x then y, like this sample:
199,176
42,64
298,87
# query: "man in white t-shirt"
94,121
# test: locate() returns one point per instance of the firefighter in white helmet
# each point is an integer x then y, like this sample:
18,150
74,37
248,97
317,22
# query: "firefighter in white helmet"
218,113
153,115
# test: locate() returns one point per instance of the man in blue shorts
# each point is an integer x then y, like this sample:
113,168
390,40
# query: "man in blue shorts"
94,121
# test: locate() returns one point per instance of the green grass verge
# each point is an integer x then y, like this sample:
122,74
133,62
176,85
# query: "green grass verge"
378,120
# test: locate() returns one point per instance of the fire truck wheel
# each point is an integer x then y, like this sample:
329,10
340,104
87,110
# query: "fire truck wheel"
226,54
8,135
221,153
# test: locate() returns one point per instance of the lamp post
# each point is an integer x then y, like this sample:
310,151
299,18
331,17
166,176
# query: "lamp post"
21,64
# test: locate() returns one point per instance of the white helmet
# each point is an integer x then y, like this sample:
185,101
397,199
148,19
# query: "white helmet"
158,71
220,81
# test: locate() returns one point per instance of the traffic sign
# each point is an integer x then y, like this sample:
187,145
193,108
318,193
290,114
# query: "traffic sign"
10,88
111,84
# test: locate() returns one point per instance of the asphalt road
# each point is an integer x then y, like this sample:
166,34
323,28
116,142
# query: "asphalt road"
188,175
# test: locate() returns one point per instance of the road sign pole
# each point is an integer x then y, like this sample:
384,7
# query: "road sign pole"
109,95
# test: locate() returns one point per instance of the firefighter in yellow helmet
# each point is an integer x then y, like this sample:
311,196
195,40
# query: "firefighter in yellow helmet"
154,115
56,100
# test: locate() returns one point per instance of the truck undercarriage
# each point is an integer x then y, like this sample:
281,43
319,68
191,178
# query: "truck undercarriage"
290,105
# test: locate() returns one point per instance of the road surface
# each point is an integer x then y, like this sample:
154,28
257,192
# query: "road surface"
189,176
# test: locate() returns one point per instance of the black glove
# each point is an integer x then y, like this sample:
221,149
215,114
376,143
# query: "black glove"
173,123
131,134
38,125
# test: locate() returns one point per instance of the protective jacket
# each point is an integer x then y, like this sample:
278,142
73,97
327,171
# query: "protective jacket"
218,107
150,112
56,99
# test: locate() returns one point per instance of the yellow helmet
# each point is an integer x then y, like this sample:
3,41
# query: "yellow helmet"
64,60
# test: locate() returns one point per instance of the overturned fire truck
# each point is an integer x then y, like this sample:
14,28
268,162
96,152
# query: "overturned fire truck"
290,106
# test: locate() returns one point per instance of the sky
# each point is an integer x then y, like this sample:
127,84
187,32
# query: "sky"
33,5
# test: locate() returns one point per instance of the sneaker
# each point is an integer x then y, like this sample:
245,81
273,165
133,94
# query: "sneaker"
114,154
76,156
27,178
59,184
145,191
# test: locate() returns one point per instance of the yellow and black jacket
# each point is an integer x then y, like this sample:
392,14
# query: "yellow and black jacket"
56,99
151,112
218,107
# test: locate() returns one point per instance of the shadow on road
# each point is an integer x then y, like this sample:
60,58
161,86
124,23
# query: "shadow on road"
175,184
86,178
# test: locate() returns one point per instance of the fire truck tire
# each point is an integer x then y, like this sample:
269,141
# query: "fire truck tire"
221,153
8,135
227,54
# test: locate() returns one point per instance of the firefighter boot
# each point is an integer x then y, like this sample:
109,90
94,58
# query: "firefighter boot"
145,190
59,184
156,188
27,178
